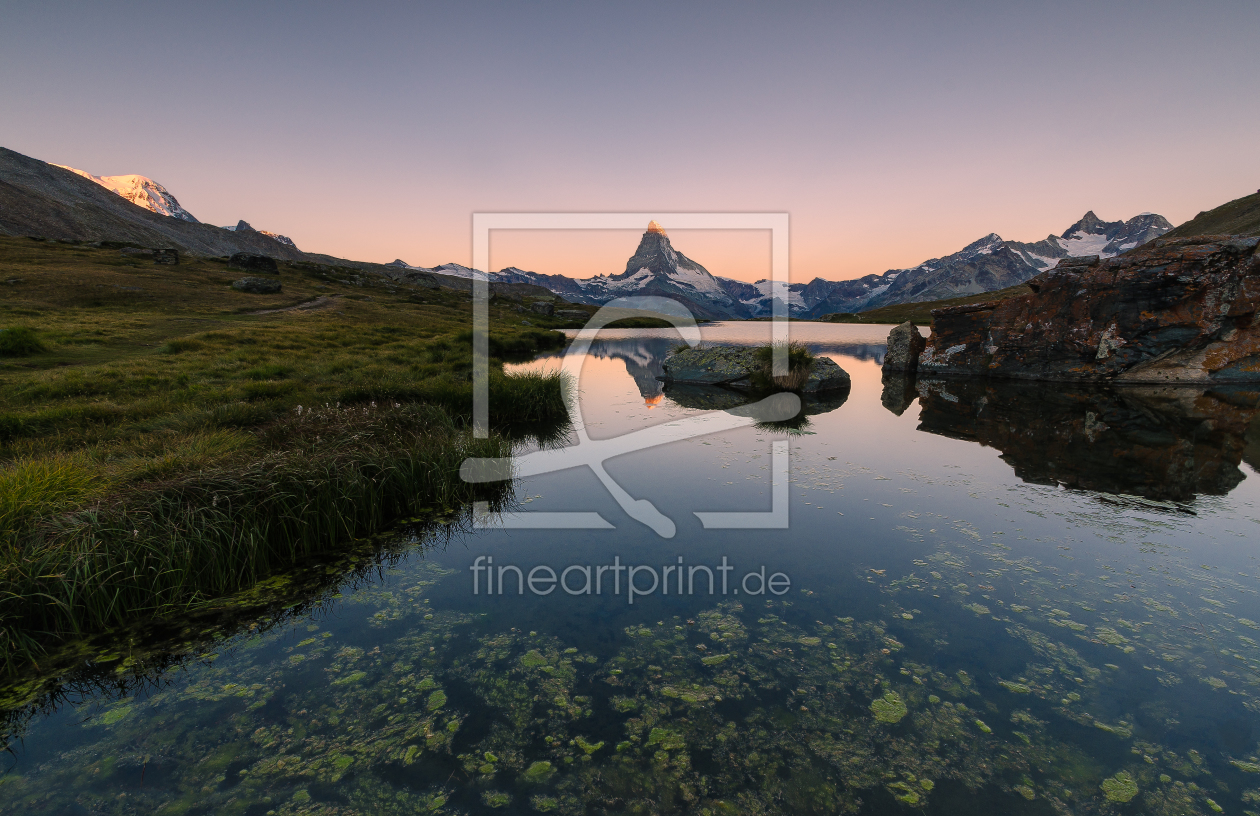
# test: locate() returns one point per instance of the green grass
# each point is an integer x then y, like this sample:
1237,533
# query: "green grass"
800,363
20,341
1238,217
165,440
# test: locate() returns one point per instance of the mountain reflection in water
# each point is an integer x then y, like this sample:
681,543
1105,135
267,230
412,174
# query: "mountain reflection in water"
644,356
1167,443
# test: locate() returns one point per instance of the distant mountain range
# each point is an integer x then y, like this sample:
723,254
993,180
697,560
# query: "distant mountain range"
60,202
991,263
243,226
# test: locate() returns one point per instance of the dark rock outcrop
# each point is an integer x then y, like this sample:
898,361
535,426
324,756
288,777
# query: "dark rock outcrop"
905,344
254,263
1184,310
170,257
1158,442
543,308
257,286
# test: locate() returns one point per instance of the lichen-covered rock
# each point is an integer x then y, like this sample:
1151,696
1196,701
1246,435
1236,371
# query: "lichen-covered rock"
1173,311
257,286
905,344
253,263
733,366
826,375
719,365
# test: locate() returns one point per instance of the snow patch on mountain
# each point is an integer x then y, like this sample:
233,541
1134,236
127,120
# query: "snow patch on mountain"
141,191
243,226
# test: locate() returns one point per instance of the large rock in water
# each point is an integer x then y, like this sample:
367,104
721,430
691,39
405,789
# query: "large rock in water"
1184,310
733,367
905,344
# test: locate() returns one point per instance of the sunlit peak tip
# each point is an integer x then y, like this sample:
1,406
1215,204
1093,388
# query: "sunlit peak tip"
655,227
653,401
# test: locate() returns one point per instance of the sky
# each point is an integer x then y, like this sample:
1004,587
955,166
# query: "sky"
890,133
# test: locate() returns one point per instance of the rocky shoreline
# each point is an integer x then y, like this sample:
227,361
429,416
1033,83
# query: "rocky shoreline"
1175,311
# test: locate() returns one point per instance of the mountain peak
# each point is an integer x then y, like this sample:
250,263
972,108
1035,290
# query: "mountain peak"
1089,224
655,227
141,191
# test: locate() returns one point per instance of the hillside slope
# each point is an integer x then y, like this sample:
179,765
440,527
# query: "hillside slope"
40,199
1239,217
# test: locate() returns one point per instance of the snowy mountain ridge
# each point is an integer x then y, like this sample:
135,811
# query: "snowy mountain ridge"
984,265
141,191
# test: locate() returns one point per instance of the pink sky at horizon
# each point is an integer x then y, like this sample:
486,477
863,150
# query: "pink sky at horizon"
889,134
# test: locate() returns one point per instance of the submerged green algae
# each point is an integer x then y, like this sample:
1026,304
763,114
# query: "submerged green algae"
751,708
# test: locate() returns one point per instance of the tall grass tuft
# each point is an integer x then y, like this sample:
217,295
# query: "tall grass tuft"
31,489
172,545
800,364
19,341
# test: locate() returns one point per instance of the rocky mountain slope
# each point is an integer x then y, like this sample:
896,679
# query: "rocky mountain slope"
41,199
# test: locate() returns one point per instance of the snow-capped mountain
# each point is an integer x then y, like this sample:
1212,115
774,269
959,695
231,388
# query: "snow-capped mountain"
655,268
1093,236
983,266
141,191
243,226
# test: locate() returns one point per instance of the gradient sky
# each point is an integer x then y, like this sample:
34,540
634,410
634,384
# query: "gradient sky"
891,132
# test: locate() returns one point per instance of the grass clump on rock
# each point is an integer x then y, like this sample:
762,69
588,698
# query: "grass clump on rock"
800,364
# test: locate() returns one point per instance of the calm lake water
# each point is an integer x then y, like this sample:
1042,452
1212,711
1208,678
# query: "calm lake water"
994,599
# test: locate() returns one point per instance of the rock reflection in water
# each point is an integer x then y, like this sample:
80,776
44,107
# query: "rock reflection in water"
1163,443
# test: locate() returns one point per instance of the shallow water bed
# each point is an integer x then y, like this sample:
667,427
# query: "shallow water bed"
961,632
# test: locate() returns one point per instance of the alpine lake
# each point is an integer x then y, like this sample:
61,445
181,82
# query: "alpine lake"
999,599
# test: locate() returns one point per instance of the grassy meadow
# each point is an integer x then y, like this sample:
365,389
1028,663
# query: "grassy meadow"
166,439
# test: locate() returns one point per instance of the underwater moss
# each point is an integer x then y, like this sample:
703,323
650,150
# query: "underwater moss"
1120,788
537,772
890,708
496,799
